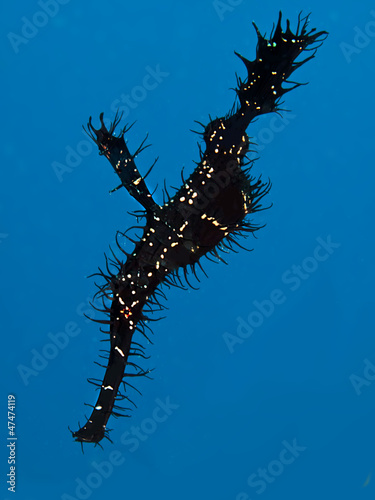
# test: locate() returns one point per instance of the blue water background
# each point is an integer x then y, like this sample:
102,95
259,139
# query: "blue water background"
304,375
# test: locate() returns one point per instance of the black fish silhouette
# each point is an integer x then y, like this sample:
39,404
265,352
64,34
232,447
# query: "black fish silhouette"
207,213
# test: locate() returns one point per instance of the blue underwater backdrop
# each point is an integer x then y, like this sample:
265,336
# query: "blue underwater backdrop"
264,379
